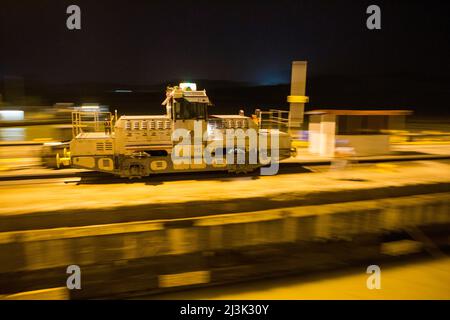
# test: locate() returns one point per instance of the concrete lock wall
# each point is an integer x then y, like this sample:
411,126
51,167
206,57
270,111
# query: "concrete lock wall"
100,244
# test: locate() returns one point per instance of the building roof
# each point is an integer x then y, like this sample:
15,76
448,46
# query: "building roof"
343,112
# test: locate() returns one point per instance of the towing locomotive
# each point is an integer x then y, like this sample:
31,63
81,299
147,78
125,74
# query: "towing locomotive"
179,140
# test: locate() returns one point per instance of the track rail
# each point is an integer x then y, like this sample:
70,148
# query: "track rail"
285,168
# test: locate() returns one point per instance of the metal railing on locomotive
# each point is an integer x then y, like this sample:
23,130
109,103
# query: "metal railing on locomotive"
273,119
92,121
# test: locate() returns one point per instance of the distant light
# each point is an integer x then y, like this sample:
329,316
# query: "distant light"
123,91
11,115
190,85
90,106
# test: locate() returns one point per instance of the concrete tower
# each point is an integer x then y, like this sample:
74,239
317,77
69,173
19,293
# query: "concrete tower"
297,99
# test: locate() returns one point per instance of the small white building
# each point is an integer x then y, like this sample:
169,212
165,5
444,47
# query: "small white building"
365,132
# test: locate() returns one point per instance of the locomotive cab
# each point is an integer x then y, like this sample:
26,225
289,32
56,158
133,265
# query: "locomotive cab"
187,106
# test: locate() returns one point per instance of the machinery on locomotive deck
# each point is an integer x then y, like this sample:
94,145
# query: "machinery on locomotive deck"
137,146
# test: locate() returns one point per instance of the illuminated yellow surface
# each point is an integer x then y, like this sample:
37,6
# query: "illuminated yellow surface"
429,279
19,197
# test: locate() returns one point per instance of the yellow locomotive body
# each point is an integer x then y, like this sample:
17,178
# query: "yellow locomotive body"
137,146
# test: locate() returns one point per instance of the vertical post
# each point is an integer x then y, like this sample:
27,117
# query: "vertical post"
73,126
259,116
97,124
279,120
297,99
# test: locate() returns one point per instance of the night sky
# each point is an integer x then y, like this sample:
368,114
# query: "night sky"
148,42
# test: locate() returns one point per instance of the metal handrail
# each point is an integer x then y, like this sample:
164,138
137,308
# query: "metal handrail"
91,119
276,118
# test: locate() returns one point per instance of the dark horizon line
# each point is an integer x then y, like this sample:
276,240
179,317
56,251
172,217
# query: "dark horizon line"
118,84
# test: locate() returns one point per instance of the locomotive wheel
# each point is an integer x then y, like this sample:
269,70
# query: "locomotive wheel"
241,169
